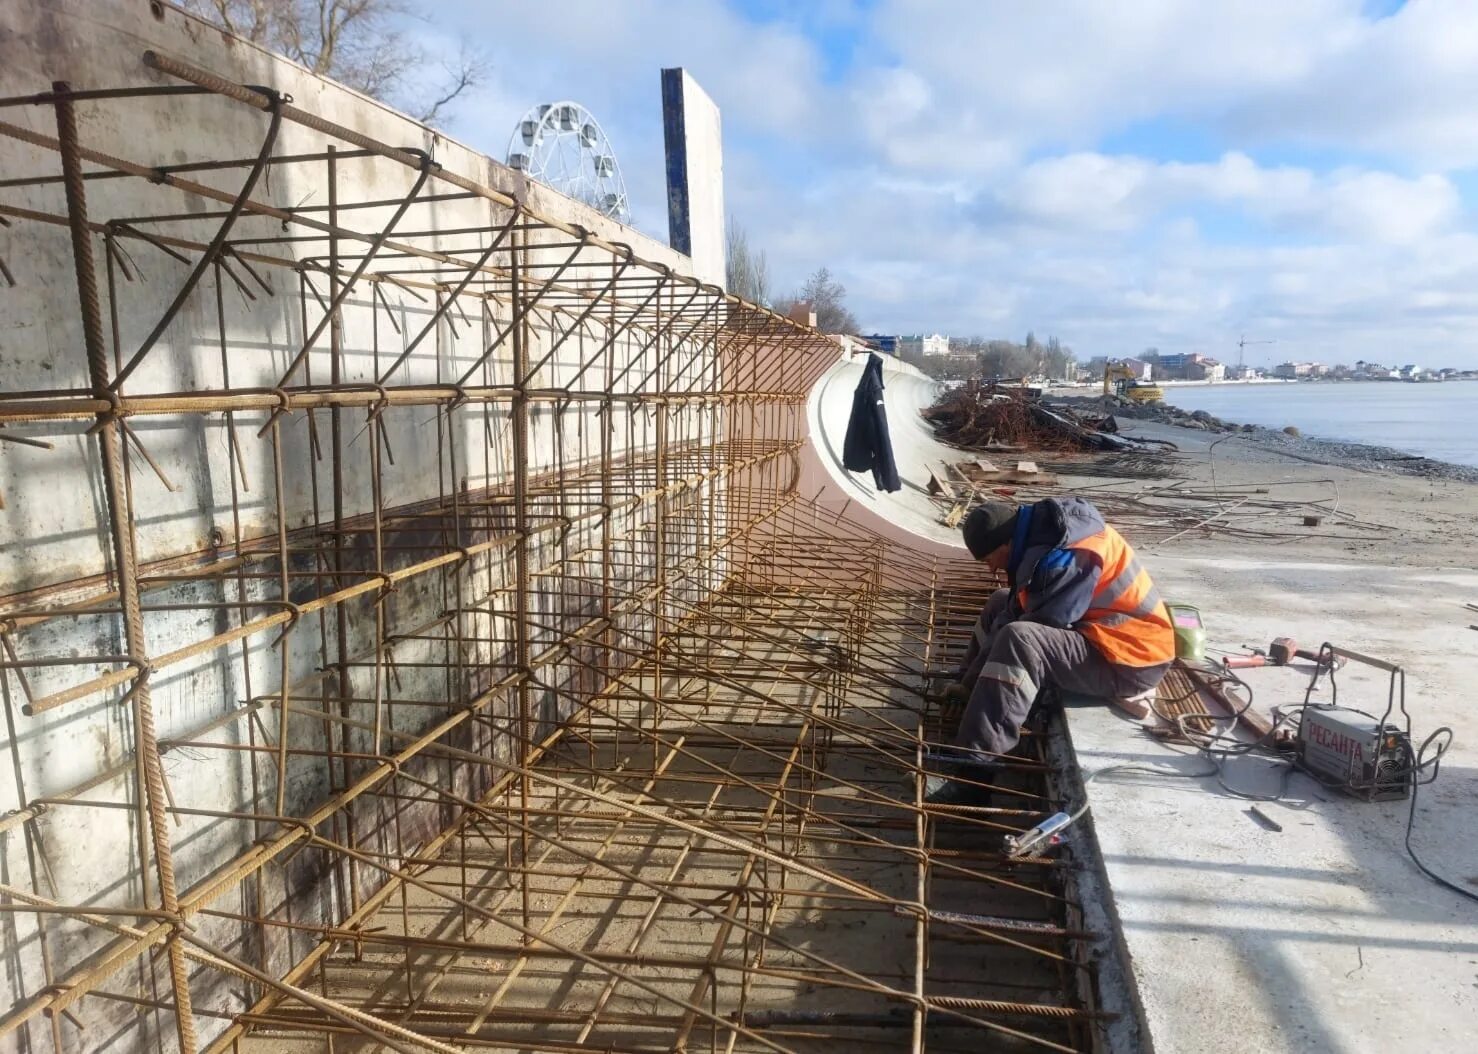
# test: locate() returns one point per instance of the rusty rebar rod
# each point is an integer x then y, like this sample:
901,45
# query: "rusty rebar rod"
584,657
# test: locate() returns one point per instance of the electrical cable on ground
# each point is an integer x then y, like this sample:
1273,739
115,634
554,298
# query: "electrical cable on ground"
1049,831
1418,763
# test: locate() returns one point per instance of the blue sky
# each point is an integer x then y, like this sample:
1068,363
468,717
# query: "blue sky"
1145,172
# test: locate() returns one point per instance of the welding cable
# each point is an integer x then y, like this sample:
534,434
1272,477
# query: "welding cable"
1205,743
1049,832
1277,796
1220,677
1419,761
1145,769
1218,746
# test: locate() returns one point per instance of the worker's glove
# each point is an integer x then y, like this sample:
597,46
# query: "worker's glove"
954,692
952,706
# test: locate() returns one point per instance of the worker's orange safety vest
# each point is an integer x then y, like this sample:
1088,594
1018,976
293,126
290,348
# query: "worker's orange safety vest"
1126,621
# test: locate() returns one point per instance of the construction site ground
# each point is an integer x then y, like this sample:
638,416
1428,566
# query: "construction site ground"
1241,937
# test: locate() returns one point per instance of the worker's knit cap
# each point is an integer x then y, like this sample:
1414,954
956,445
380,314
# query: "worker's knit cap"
988,527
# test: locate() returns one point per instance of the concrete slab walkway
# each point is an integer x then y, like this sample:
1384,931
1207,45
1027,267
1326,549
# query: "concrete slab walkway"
1323,937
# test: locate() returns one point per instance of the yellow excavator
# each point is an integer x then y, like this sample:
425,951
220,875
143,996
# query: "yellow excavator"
1120,380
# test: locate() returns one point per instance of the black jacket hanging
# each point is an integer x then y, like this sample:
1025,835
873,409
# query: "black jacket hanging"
867,445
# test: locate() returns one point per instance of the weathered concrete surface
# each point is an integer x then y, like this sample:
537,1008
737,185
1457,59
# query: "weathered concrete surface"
906,391
1323,937
95,45
53,524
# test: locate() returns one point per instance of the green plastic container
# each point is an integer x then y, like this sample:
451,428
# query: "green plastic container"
1190,634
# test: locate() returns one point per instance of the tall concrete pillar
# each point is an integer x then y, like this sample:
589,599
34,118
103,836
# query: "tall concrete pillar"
695,174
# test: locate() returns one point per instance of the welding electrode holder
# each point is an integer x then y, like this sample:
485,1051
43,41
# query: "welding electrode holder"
1044,836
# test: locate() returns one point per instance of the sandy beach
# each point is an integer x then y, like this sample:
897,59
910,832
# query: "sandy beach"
1429,509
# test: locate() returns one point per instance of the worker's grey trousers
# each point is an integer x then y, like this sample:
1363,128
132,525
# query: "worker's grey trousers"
1009,662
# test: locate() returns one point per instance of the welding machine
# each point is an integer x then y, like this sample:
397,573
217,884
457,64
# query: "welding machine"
1355,753
1365,756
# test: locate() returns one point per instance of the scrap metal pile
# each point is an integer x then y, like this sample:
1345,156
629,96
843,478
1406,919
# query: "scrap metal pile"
984,416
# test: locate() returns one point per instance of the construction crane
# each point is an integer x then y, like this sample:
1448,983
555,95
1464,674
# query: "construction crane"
1242,344
1120,380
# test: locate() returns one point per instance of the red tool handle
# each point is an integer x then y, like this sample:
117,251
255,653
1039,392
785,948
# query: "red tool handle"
1244,662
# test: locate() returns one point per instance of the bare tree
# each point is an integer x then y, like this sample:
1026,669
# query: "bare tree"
747,271
1004,358
827,298
352,41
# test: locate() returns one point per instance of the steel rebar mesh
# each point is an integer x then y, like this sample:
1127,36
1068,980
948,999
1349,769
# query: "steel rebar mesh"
506,690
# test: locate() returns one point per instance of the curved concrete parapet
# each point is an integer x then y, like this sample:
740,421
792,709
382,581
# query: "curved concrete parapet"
907,515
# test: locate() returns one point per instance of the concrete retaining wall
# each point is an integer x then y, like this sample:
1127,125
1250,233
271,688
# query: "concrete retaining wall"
54,545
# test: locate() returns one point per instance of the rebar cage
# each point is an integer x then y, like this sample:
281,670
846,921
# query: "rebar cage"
413,635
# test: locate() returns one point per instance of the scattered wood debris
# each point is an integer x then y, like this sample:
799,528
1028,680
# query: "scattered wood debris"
981,416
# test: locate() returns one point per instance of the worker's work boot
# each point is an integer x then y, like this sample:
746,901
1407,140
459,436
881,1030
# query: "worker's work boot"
948,786
940,789
1137,706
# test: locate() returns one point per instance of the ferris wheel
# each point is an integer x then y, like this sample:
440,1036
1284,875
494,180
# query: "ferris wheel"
561,145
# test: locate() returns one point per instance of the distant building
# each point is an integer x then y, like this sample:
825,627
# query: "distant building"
887,344
1170,367
923,346
1143,371
1242,373
1204,368
1292,371
1189,367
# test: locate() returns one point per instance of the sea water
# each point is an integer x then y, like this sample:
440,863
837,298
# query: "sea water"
1435,420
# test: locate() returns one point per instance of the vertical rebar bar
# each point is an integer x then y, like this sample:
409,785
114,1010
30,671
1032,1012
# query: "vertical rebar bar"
521,628
121,524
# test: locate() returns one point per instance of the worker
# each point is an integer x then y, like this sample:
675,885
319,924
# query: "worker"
1079,612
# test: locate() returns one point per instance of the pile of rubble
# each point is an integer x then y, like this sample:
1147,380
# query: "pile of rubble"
1173,415
983,416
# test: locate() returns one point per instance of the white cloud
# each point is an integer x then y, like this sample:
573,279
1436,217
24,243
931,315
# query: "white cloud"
607,56
1315,72
916,129
965,169
1118,193
1069,71
1384,207
1405,87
